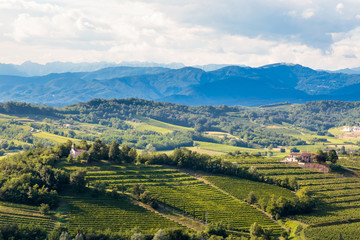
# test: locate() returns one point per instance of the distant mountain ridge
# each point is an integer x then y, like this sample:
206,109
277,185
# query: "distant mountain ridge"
30,69
231,85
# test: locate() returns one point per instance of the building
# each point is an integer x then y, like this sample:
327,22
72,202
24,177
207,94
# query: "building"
76,152
300,157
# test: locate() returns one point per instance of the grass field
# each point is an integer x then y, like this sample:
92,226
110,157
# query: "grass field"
164,125
147,127
54,138
223,148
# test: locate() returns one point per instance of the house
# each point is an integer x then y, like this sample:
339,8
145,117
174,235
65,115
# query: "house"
300,157
76,152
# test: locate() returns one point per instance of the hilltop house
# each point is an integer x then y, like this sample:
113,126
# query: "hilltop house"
76,152
300,157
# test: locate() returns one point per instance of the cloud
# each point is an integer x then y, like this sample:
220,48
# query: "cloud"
339,8
254,33
308,13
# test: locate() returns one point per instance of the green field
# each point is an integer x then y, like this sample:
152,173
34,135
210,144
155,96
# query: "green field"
54,138
224,148
157,126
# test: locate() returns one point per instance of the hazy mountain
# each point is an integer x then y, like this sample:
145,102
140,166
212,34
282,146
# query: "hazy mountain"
232,85
29,69
348,70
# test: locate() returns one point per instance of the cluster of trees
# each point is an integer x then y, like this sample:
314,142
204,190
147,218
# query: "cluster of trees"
322,157
14,130
143,195
281,207
32,178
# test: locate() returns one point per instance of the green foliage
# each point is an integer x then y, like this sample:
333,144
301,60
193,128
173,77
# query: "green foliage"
251,198
30,177
44,208
217,228
78,181
332,156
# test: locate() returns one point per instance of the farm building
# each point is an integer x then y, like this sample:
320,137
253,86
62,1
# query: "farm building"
76,152
300,157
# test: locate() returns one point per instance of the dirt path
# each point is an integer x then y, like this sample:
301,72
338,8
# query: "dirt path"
197,176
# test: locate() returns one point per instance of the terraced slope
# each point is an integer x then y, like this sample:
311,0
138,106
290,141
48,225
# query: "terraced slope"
86,212
12,213
240,188
339,211
183,192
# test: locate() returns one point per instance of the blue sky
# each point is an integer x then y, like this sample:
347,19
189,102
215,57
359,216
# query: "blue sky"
320,33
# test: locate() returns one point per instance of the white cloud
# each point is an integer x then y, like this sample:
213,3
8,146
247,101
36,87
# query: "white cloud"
308,13
254,32
339,8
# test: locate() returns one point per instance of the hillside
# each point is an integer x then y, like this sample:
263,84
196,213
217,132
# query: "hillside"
230,85
230,152
158,126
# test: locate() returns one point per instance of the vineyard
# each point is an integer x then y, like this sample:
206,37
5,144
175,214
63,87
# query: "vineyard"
182,192
240,188
339,207
102,213
12,213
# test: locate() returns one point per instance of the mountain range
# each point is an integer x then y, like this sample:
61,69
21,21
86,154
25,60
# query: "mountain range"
230,85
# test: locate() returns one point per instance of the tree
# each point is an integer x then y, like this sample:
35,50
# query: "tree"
77,180
256,230
320,158
70,158
79,236
216,228
137,236
84,145
160,235
98,151
342,150
137,190
294,150
251,198
44,208
114,151
65,236
150,148
332,156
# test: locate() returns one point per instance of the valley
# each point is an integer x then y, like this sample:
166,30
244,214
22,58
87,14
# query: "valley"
231,152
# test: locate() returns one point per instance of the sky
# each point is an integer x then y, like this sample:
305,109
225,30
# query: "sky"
321,34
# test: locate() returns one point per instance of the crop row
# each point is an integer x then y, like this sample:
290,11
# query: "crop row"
203,200
11,218
116,215
240,188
